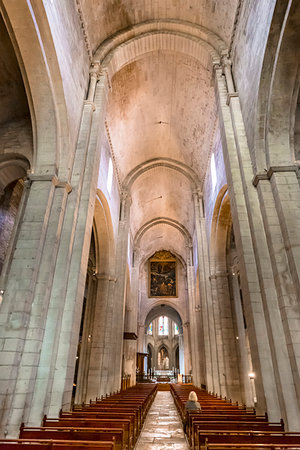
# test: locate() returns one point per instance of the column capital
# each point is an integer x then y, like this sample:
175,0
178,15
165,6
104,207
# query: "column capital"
225,60
125,196
197,193
95,70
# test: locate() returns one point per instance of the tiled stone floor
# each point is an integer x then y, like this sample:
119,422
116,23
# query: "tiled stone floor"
162,429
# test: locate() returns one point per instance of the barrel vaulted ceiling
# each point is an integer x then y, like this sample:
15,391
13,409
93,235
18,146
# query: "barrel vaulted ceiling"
161,108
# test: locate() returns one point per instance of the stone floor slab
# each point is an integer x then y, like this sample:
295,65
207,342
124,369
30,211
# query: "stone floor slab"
162,429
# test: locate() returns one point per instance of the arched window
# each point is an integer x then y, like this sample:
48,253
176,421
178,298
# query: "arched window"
150,329
176,329
163,326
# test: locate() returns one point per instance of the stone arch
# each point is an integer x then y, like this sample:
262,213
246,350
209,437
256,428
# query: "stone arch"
163,309
279,90
104,236
221,226
224,289
170,35
30,34
12,168
98,278
158,220
161,162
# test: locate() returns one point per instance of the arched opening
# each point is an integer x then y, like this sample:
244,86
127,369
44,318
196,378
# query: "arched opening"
86,326
93,322
164,343
16,143
227,291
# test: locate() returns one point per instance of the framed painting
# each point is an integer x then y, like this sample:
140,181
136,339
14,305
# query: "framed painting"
162,277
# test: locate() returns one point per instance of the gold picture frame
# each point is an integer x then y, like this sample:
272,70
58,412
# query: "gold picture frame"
162,275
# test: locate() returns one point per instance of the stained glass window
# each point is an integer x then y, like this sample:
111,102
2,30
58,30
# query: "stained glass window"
176,328
163,326
150,329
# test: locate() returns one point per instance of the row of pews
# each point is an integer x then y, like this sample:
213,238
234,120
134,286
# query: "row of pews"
113,422
223,425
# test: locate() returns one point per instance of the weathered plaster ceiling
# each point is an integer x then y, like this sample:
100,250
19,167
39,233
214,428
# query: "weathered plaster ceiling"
162,192
106,17
160,237
162,105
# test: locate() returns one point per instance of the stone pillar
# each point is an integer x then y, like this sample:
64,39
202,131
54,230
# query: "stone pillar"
217,298
245,368
130,344
206,305
273,378
195,330
181,353
86,344
118,312
187,369
76,240
100,370
141,338
276,220
26,298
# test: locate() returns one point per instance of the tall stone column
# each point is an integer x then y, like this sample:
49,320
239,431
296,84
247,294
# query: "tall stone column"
141,339
130,331
206,305
245,369
277,219
181,353
117,328
100,369
273,377
195,326
86,345
187,349
55,371
26,298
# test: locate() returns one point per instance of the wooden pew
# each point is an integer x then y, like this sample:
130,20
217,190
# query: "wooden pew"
45,444
231,427
124,424
113,422
108,415
258,446
243,438
115,435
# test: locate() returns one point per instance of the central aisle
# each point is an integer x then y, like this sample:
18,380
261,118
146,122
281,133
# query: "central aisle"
162,429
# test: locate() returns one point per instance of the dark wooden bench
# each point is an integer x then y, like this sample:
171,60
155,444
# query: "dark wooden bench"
231,427
115,435
43,444
124,424
249,437
119,415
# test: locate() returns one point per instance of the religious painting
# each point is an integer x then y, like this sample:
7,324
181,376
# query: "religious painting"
162,275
